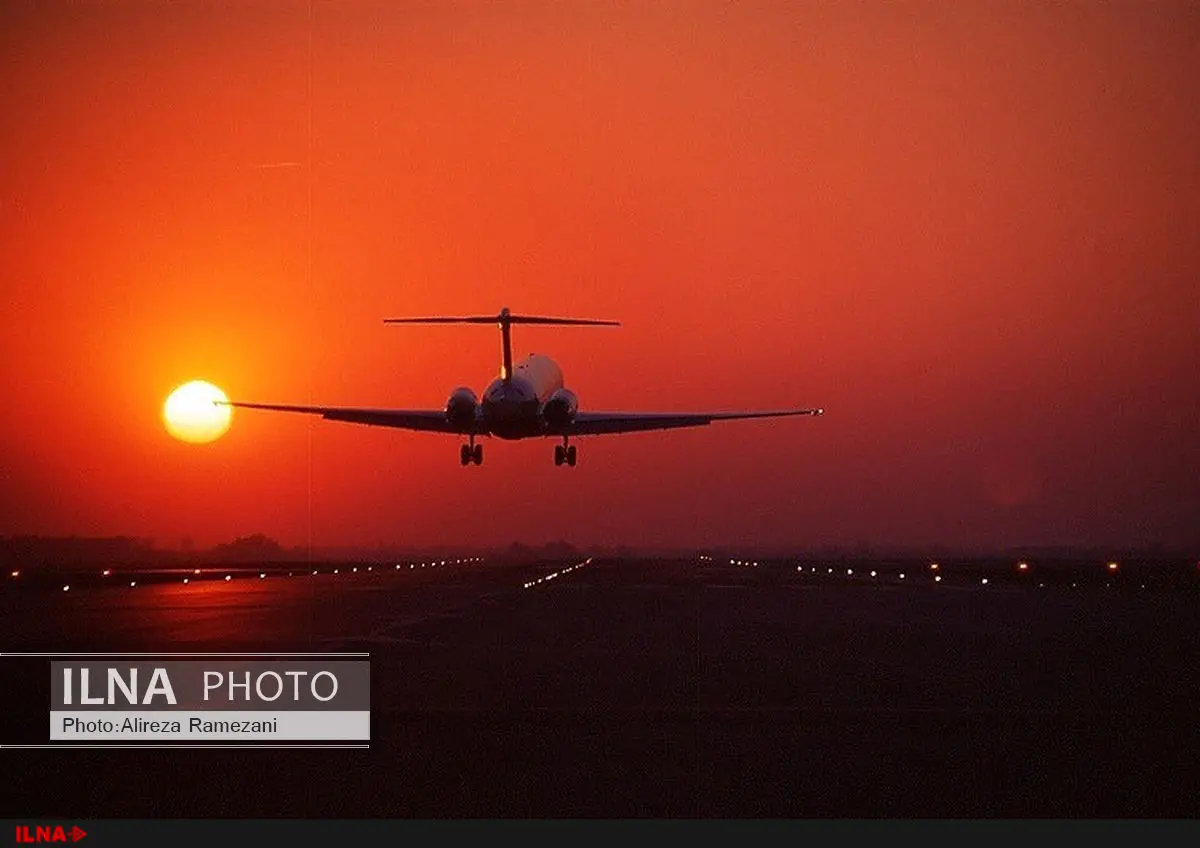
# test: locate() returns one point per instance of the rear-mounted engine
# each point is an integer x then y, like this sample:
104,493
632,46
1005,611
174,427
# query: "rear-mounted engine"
461,408
559,411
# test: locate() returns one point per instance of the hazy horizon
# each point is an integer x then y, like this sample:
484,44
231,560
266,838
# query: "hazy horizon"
258,547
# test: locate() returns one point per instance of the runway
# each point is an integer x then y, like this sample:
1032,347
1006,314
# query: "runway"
680,688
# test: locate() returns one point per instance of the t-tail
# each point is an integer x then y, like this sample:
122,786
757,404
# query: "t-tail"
504,320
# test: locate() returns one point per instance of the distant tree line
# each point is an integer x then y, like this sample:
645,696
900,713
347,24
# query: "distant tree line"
76,550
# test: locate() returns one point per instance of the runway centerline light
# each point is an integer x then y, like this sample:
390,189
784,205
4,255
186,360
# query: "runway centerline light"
16,573
67,588
185,580
228,577
1112,566
132,583
261,575
937,579
1022,566
107,572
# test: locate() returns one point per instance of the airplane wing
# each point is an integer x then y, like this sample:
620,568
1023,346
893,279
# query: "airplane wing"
597,423
429,420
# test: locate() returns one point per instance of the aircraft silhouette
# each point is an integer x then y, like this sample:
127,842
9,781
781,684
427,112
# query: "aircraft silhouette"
525,401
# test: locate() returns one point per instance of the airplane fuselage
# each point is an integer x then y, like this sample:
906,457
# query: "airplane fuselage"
512,409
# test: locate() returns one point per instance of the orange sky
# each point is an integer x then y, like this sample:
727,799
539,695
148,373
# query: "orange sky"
966,230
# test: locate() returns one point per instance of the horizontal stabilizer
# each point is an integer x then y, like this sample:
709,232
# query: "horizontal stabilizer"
505,317
504,321
510,319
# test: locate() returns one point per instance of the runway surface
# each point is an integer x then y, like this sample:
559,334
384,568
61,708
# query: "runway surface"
650,688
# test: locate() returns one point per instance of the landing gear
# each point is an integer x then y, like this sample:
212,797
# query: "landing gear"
564,453
471,453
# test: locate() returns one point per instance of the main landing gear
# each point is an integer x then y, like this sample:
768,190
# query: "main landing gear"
471,453
564,453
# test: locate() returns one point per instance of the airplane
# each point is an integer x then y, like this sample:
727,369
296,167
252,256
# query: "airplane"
525,401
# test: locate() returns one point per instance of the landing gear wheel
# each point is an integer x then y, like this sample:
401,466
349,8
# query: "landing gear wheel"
477,454
464,455
559,455
571,456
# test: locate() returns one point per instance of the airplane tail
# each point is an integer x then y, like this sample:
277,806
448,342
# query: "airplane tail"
504,321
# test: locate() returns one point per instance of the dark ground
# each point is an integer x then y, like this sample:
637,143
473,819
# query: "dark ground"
659,689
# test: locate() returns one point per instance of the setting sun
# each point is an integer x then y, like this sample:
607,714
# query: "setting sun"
191,414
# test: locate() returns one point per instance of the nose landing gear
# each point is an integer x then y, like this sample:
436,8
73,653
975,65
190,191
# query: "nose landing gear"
471,453
564,453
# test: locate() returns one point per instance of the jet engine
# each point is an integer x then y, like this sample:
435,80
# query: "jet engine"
461,408
559,411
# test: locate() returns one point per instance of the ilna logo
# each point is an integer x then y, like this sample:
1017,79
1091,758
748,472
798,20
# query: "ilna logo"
48,833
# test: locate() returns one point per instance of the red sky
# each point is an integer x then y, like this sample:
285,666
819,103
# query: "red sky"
967,230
